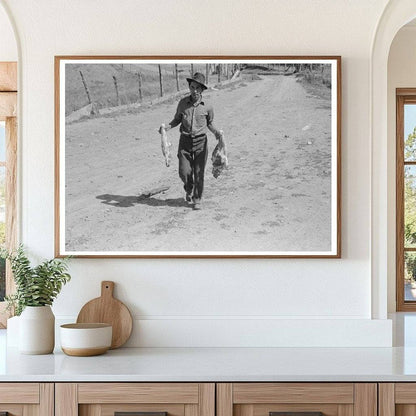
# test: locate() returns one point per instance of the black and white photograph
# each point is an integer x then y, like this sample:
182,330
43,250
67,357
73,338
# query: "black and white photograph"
197,157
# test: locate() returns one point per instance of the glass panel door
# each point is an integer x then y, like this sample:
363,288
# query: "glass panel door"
409,159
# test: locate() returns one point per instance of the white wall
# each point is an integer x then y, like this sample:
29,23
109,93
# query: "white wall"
401,74
8,46
179,302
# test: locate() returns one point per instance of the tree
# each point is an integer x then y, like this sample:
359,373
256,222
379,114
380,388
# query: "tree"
410,191
410,205
410,146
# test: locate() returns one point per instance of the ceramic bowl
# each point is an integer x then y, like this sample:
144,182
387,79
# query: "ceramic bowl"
83,340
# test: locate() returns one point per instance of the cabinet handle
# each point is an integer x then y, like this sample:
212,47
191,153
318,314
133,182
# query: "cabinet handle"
138,414
296,414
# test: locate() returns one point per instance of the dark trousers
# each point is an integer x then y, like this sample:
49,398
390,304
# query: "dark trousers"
192,154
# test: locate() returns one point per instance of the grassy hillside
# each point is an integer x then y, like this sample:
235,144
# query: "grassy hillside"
102,90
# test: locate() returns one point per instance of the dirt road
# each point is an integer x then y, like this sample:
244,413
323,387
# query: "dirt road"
275,196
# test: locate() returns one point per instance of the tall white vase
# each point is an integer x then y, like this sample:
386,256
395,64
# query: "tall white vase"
37,330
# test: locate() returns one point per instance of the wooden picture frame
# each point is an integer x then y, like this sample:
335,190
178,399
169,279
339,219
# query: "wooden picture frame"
280,196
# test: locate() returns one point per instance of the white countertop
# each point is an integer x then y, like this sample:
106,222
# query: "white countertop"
213,364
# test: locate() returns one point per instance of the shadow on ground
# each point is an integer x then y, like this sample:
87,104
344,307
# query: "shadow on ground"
123,201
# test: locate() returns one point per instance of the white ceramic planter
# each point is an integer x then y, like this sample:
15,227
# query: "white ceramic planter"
37,330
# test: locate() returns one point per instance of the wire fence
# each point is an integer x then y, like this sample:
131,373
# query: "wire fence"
109,85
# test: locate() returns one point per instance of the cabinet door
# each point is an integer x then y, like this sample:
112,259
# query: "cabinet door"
27,399
296,399
144,399
397,399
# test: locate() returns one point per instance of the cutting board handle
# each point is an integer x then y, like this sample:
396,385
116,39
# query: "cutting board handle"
107,289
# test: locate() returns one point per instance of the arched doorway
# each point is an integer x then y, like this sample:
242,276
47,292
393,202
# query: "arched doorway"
8,148
396,14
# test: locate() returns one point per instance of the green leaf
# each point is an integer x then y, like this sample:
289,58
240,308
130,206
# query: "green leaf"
35,286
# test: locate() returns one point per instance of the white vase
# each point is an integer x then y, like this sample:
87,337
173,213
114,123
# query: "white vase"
37,330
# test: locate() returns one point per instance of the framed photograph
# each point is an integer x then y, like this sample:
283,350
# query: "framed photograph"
198,156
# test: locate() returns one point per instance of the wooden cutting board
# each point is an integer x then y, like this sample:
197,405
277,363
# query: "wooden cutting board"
107,309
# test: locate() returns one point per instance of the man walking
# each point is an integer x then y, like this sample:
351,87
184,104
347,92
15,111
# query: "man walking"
195,116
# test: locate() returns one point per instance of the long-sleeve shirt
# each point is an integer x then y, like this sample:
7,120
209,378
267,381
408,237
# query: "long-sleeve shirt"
193,118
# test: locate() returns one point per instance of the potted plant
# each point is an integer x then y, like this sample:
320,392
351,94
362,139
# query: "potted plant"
36,289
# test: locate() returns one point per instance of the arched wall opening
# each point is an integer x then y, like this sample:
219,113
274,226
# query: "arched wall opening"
396,15
401,74
9,217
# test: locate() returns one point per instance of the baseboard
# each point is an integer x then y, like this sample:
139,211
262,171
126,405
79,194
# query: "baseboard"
166,332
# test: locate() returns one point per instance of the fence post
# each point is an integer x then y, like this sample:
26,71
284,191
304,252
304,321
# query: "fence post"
192,70
206,73
140,86
116,87
85,87
160,80
177,77
219,72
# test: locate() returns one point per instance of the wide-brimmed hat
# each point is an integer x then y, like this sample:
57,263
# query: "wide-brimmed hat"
198,78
